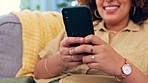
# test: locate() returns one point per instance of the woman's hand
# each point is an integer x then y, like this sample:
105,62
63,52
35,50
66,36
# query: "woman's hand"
67,59
103,56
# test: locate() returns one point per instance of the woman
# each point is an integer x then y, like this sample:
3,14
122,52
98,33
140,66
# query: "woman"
119,50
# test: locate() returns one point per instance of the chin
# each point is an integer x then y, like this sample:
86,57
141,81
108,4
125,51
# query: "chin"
110,20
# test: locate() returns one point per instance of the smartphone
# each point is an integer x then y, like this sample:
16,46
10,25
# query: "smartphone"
78,21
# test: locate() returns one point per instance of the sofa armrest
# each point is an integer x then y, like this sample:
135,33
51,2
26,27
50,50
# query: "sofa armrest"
10,45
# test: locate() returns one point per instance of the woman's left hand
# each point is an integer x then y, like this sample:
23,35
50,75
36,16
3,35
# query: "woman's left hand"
103,57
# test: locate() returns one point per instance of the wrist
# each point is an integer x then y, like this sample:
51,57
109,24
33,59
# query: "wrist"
52,65
46,68
126,70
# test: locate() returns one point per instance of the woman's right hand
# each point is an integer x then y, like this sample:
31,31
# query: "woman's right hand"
66,59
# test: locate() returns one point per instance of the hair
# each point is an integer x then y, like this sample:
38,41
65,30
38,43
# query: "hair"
138,12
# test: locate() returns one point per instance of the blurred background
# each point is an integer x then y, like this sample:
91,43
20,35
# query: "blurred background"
6,6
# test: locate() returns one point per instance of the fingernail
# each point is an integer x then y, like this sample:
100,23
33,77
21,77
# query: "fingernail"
81,40
70,52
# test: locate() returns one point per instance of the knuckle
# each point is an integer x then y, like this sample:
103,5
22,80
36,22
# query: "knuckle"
61,52
85,48
64,41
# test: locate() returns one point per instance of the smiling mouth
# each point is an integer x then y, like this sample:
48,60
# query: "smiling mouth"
111,7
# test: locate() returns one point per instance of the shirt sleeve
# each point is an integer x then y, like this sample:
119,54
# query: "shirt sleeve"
52,46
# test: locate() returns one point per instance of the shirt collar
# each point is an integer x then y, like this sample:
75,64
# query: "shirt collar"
99,25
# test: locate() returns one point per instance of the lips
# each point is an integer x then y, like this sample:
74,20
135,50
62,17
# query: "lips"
111,8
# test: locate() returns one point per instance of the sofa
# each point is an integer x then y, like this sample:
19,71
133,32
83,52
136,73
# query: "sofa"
10,45
22,36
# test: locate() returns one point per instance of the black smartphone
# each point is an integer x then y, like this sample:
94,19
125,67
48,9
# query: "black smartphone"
78,21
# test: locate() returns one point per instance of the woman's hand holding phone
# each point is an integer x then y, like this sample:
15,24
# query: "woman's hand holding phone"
68,59
103,57
70,56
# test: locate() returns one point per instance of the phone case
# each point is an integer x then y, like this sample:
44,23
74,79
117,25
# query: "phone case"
78,21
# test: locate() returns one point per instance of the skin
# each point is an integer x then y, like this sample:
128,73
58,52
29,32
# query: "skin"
115,19
67,57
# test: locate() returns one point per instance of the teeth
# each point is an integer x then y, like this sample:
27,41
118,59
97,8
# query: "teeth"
110,8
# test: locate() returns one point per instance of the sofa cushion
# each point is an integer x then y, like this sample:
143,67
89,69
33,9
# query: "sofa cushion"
10,45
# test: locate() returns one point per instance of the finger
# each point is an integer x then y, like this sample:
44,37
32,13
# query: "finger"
71,58
94,39
73,64
65,51
71,40
89,59
82,49
66,58
76,58
93,65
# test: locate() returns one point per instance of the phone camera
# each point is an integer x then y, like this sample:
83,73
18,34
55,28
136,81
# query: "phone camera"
67,17
65,12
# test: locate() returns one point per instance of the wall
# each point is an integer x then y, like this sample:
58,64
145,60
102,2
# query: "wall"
45,5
